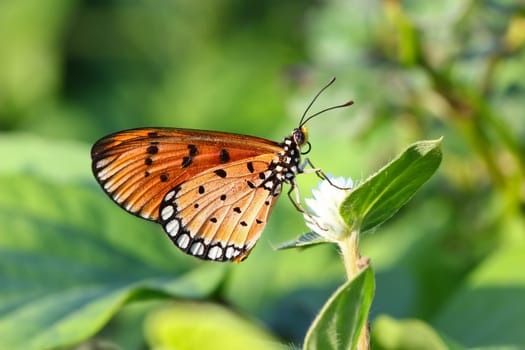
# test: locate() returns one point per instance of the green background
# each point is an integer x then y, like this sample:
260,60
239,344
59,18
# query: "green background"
74,71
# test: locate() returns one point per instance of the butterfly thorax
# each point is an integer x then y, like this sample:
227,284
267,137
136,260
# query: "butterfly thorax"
284,167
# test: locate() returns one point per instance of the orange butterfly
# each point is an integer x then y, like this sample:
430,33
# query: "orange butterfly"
212,192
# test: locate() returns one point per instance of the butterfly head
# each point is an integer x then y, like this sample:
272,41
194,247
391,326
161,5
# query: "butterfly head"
300,135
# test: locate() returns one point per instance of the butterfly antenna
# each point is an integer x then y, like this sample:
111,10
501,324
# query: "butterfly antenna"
349,103
304,121
315,98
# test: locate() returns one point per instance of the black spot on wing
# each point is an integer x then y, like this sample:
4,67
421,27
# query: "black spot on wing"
220,173
152,149
193,151
186,162
224,156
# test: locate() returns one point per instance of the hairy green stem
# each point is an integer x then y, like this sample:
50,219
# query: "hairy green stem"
350,250
349,246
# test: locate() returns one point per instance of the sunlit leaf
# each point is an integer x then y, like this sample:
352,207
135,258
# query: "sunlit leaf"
190,325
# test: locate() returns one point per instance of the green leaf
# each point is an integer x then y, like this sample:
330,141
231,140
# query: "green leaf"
343,317
70,258
191,325
379,197
303,241
390,334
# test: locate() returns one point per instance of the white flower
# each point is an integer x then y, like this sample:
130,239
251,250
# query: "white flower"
324,209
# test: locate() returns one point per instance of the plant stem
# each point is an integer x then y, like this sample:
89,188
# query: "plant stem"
351,258
350,250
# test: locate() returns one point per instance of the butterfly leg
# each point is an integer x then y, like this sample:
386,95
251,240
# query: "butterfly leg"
320,173
298,206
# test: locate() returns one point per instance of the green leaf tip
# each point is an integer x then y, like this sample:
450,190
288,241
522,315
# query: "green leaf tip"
380,196
427,145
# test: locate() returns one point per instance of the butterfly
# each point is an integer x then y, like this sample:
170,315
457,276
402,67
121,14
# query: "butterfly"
212,192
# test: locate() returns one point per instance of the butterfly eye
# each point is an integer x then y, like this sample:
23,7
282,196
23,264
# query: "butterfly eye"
300,136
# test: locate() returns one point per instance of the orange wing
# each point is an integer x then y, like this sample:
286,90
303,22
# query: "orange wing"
138,167
220,213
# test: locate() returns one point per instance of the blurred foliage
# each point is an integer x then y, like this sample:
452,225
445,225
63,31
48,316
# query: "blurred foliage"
450,262
203,326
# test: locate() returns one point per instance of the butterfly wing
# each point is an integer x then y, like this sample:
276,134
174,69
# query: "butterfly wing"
220,213
136,168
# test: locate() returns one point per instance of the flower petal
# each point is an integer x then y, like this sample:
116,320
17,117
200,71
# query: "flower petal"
324,217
